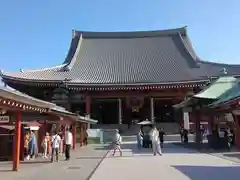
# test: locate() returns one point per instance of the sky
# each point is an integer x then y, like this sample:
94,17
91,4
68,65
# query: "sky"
36,34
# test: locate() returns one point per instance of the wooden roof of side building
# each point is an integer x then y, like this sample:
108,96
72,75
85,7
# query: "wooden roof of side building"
24,102
128,58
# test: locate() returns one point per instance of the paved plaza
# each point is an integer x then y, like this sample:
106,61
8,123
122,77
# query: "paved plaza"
83,162
177,163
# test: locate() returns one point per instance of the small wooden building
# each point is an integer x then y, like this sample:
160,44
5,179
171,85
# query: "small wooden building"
17,109
228,107
219,104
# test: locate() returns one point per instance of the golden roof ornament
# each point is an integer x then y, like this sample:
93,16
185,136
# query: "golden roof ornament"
224,71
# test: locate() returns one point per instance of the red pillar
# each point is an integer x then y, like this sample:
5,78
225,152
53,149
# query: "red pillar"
81,134
84,132
64,132
237,130
88,105
17,142
74,135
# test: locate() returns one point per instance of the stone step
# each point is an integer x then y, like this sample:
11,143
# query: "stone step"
173,138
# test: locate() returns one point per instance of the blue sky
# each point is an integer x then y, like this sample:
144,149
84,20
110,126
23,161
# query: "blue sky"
36,34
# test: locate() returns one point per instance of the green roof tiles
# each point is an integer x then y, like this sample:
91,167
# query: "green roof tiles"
231,94
217,88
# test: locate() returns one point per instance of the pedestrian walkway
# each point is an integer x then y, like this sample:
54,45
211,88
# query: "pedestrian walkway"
177,163
82,163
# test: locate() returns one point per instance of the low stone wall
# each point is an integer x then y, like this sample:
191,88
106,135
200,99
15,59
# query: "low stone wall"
104,135
107,135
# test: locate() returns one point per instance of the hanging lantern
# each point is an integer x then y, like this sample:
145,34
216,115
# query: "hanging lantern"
135,103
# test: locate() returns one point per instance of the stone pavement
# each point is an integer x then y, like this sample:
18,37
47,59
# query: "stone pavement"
232,156
83,162
177,163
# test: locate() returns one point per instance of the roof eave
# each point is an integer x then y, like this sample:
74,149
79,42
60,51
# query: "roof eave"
86,120
25,99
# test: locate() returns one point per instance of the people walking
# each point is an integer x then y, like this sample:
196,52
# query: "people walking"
56,140
45,144
85,141
68,143
117,143
156,142
32,146
161,136
26,144
140,139
181,134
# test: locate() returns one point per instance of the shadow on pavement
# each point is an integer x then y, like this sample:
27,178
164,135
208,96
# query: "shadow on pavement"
209,172
100,148
36,162
204,147
233,155
89,157
6,170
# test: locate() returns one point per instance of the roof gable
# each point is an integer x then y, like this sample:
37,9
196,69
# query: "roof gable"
229,95
217,88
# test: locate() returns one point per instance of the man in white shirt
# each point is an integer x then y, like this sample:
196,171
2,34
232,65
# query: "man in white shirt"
156,142
117,143
68,143
56,140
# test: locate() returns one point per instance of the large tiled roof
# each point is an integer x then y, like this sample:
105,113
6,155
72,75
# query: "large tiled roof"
151,57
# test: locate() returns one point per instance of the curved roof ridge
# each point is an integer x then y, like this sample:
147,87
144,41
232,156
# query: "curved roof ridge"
72,48
216,63
187,50
74,58
46,69
130,34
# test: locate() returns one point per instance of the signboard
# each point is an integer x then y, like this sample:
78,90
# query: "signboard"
229,117
4,119
236,112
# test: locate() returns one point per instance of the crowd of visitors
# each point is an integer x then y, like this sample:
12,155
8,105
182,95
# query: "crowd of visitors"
156,139
51,146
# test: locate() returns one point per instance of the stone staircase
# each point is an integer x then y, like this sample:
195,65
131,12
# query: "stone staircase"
130,135
169,128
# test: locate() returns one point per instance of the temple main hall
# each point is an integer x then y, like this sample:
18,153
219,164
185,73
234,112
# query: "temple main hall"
123,77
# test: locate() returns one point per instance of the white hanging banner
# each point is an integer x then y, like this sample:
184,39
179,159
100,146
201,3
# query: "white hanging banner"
229,117
186,120
4,119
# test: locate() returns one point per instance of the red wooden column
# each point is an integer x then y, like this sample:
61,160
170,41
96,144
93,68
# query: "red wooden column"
237,130
17,143
64,133
81,134
74,136
84,131
88,105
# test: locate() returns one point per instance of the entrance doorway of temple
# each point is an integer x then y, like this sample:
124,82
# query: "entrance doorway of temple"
105,111
164,111
135,110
